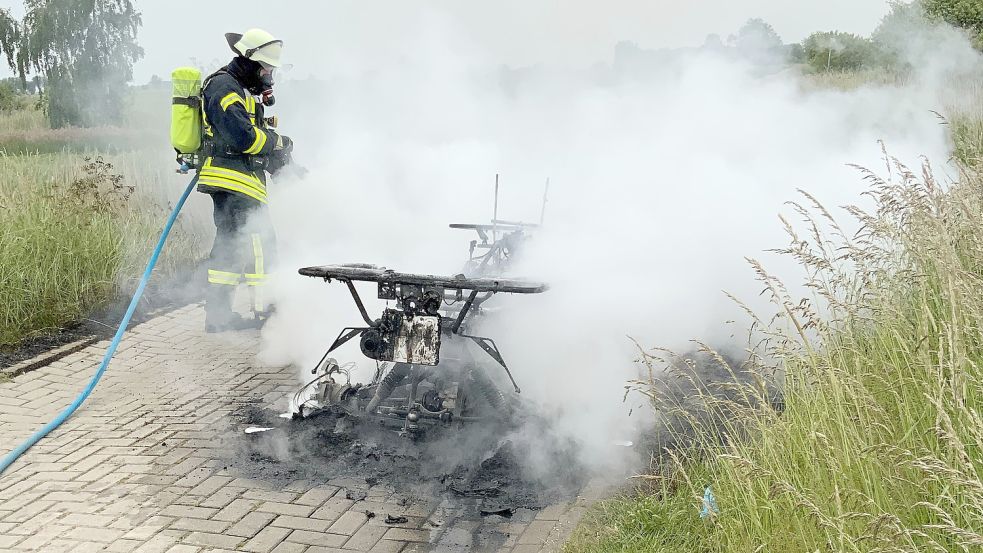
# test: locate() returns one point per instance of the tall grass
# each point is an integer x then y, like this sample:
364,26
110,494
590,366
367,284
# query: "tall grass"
72,139
69,229
852,80
27,118
967,133
879,445
26,130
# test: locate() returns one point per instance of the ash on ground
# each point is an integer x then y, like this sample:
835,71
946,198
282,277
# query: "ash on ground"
486,469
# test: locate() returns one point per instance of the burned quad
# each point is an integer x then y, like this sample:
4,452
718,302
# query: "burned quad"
497,246
429,373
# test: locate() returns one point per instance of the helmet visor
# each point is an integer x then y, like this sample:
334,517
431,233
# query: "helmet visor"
268,54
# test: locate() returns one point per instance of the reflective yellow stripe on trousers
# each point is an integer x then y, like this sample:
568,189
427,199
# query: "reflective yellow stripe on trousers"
258,278
223,277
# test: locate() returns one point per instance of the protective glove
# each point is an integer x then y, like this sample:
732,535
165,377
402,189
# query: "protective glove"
283,143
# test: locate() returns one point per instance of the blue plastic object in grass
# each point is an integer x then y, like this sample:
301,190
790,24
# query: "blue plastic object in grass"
63,416
709,504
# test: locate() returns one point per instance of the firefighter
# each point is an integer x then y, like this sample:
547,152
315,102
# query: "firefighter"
240,148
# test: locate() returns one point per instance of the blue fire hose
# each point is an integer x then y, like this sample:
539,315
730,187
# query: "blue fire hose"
63,416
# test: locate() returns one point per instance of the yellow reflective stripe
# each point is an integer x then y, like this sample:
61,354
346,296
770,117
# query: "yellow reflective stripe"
245,178
209,179
235,177
230,99
258,253
258,143
258,304
223,277
220,180
234,186
259,277
257,292
251,108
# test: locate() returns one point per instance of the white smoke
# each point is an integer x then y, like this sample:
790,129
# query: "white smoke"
662,182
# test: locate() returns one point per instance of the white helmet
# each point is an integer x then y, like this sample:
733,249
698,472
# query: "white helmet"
257,45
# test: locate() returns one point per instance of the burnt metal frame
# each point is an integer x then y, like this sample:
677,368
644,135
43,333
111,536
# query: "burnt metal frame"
392,279
498,248
350,332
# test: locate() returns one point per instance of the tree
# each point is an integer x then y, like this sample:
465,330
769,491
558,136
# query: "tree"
895,33
8,36
837,51
795,53
966,14
758,41
85,49
713,43
899,23
757,35
8,95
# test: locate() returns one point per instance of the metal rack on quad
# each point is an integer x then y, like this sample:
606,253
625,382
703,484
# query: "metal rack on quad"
428,372
495,253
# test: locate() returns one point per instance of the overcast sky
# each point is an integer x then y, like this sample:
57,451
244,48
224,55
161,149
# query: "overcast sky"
514,32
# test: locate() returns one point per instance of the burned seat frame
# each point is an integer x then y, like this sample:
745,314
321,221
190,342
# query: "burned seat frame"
411,332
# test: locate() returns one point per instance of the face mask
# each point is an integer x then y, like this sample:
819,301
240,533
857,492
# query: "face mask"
266,80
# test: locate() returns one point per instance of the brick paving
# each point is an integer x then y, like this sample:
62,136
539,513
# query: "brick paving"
140,467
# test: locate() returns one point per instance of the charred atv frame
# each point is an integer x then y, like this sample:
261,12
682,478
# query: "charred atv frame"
422,347
497,246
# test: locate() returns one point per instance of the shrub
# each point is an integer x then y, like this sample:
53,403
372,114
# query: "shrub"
965,14
8,98
837,51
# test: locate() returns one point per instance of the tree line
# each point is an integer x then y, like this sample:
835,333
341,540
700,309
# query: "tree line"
841,51
78,54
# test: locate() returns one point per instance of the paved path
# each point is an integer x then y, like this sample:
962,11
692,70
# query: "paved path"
141,466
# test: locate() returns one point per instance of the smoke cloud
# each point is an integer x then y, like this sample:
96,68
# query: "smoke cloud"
666,172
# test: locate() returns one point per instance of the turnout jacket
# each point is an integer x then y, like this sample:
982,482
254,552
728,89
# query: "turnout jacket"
237,142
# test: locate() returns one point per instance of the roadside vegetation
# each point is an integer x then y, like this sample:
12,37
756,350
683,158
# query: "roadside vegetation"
82,195
79,215
875,444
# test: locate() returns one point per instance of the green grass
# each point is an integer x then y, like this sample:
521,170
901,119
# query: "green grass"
26,130
967,134
27,118
73,140
852,80
879,446
70,241
67,236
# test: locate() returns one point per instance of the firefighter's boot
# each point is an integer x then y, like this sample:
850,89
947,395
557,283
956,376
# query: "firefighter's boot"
219,316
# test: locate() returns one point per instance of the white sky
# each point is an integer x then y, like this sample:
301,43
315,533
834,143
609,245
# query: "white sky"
513,32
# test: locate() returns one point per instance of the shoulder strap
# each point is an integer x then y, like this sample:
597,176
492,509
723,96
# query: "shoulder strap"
194,102
209,78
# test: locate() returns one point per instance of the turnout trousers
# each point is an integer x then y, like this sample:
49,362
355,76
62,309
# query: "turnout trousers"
243,251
